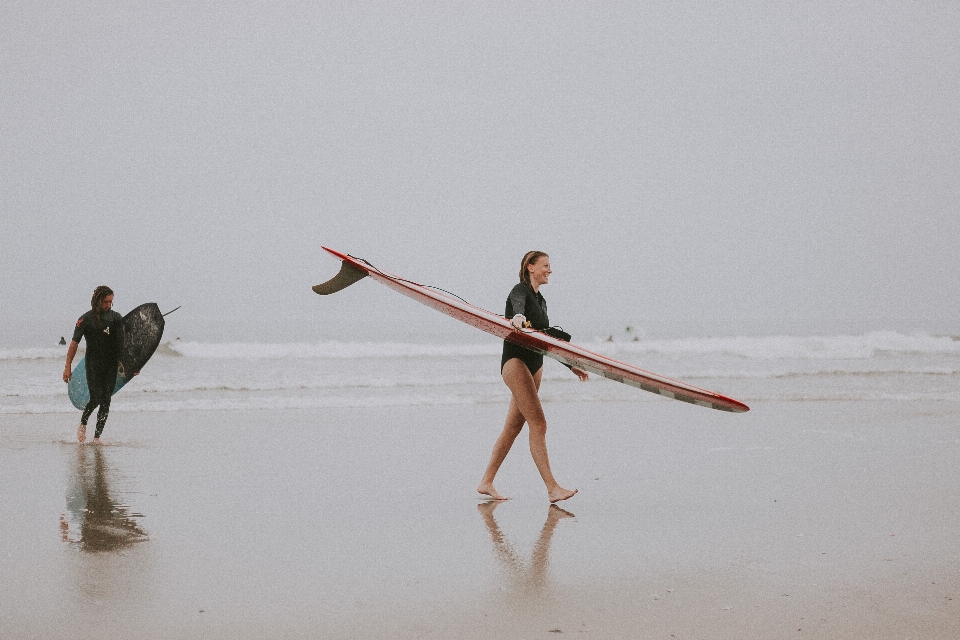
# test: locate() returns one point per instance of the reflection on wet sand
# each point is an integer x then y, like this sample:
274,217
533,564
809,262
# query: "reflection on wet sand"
526,578
96,521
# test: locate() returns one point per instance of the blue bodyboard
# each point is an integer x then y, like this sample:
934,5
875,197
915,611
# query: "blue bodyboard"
77,389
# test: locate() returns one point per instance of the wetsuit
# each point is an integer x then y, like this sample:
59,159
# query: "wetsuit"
524,300
104,344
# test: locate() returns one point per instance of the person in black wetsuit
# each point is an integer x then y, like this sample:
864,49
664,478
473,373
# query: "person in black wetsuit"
102,327
522,371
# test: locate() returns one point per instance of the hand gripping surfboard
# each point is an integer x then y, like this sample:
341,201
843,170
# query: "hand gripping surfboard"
353,269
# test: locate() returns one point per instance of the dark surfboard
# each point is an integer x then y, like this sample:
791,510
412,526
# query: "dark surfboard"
142,331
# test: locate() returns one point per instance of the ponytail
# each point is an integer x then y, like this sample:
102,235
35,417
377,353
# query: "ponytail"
529,258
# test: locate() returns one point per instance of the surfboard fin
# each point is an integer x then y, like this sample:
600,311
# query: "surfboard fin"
347,276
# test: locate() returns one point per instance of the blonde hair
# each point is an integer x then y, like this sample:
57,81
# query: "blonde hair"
530,257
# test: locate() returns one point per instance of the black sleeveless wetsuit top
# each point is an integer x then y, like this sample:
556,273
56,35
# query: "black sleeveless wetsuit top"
530,303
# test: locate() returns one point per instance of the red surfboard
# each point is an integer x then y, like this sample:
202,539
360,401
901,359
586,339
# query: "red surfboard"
353,269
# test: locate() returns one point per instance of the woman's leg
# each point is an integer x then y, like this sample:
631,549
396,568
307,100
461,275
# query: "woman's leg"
102,417
82,428
524,388
524,406
511,429
100,383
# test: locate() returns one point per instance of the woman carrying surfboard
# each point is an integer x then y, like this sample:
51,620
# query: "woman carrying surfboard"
102,327
522,370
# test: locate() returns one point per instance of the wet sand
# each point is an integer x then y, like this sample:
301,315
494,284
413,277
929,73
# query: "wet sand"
818,519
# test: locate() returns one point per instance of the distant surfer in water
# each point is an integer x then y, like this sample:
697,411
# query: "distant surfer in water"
522,370
102,327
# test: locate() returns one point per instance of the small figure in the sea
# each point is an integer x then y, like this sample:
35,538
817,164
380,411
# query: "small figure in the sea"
63,340
522,371
102,327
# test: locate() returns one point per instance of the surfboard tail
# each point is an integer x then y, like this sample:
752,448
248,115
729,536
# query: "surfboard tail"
346,277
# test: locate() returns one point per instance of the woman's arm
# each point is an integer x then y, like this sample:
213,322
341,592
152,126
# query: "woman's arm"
71,351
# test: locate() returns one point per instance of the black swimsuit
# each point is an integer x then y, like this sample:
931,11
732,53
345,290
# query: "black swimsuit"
530,303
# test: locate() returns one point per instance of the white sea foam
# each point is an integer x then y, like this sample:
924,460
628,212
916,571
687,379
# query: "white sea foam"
840,347
245,376
246,404
37,353
327,350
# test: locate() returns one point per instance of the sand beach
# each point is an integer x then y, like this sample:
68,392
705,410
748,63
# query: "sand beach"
827,519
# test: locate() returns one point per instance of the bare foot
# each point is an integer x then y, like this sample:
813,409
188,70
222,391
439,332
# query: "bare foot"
96,441
81,433
488,490
560,493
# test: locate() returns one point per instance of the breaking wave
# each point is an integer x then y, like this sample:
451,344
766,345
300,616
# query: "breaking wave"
783,347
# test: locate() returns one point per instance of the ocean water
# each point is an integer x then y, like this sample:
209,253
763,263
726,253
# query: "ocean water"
191,375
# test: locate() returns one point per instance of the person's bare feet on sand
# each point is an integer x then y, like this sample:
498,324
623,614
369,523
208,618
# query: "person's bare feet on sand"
558,494
97,441
81,433
488,490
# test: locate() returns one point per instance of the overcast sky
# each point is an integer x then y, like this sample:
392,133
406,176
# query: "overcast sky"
761,166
